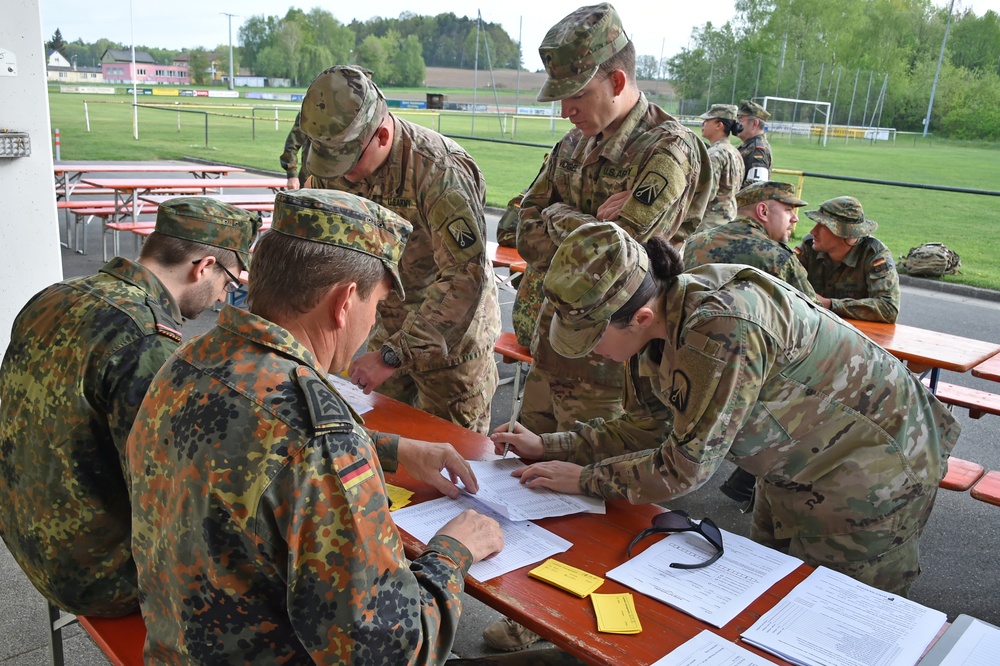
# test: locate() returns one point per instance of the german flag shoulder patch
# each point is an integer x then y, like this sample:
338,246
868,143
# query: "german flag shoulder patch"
357,472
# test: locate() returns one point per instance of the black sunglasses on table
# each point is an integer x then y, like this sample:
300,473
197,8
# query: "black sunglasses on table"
680,521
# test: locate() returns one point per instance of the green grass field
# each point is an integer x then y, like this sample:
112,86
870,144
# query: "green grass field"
906,217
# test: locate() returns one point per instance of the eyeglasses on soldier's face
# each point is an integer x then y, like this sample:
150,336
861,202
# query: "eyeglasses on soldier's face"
680,521
233,285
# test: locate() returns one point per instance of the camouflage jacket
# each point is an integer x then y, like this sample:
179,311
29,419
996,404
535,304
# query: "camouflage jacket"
451,313
865,285
261,527
754,372
81,356
744,241
661,162
289,159
756,152
727,179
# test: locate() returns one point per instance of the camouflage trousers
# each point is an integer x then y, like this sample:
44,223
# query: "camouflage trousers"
886,559
553,404
546,657
459,393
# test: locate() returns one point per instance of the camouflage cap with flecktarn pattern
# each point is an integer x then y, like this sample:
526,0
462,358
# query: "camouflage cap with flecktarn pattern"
574,48
767,190
753,109
845,217
720,111
342,110
346,220
209,221
595,271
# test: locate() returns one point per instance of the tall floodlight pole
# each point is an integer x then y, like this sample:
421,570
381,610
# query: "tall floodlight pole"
135,77
230,47
927,118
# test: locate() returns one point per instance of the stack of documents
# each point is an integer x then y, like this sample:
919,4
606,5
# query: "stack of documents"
708,649
716,593
968,642
830,619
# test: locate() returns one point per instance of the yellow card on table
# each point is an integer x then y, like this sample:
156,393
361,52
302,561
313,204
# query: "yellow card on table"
399,497
573,580
616,613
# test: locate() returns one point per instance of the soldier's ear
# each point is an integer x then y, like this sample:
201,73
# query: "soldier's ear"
339,302
199,270
618,81
644,317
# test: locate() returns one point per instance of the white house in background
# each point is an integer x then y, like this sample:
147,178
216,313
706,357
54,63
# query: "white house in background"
60,70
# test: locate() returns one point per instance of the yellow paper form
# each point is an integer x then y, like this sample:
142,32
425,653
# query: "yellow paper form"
616,613
573,580
399,497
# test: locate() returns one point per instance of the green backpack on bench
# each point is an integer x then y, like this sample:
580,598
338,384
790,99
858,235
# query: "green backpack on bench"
930,260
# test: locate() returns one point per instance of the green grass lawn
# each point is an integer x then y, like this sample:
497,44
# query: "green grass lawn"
907,217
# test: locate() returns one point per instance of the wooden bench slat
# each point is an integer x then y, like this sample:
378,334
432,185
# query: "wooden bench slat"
121,639
976,401
508,348
988,369
988,488
961,475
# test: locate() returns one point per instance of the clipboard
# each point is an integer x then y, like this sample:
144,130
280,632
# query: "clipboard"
944,645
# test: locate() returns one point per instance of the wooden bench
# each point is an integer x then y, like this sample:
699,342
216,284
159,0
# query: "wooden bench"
988,488
121,639
988,369
961,475
976,401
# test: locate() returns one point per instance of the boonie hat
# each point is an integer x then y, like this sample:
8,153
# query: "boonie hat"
574,48
766,190
340,114
844,217
209,221
721,111
595,271
340,218
751,108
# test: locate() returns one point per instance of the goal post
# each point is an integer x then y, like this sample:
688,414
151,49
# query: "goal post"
786,116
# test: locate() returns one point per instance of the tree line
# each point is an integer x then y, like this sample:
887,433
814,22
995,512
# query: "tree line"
848,50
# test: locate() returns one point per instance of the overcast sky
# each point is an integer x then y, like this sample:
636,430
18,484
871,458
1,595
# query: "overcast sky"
654,25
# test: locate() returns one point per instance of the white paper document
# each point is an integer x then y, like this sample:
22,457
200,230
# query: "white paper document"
830,619
524,542
708,649
354,396
512,499
716,593
967,642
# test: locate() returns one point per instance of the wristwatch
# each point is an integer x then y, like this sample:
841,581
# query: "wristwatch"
390,357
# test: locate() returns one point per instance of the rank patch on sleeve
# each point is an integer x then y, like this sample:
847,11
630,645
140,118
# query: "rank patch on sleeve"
355,473
171,333
650,188
680,391
463,236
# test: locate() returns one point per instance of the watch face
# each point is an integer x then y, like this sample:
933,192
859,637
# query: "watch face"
390,358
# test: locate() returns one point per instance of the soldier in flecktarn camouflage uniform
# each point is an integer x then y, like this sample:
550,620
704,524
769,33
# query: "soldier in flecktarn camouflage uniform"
81,355
852,271
757,237
626,160
725,361
755,149
261,526
434,349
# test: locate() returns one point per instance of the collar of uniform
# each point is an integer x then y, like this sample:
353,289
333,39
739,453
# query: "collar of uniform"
142,278
613,147
853,255
755,225
266,333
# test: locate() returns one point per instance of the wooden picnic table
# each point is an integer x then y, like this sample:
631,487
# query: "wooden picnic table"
927,351
262,203
988,369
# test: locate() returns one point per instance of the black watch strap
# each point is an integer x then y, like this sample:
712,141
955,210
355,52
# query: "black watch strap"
390,357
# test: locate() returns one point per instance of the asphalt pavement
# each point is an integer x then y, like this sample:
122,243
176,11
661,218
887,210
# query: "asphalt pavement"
958,550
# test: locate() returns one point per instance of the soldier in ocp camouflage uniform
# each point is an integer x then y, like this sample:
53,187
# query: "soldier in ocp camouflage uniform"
757,237
852,271
81,355
433,350
625,160
755,149
727,164
725,361
261,527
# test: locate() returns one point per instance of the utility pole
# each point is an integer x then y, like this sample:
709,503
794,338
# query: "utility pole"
927,118
230,47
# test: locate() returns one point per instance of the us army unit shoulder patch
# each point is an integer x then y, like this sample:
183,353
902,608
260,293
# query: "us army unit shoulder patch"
650,188
460,231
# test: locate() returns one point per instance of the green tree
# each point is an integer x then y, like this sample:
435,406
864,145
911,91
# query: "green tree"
255,35
198,66
330,34
408,63
371,53
974,43
57,43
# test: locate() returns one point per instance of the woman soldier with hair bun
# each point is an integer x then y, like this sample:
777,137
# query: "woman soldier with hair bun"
717,124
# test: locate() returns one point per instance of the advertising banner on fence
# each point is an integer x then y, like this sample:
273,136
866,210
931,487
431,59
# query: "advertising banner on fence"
166,92
218,93
139,91
88,90
276,97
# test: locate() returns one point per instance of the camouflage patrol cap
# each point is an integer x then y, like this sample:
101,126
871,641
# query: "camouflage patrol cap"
206,220
751,108
767,190
844,217
595,271
346,220
341,112
720,111
574,48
